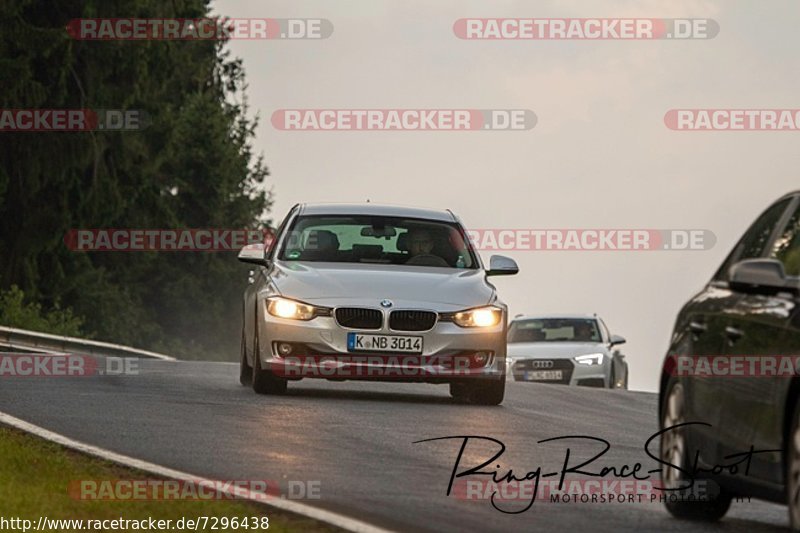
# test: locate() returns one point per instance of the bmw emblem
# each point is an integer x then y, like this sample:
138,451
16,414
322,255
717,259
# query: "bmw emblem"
386,303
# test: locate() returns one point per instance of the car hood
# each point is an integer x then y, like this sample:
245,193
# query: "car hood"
553,350
367,284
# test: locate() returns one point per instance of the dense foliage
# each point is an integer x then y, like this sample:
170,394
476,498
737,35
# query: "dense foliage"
192,167
17,312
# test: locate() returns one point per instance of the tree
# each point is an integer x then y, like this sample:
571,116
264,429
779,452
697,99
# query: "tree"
193,166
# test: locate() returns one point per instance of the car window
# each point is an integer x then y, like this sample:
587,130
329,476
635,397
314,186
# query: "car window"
756,238
554,330
377,239
604,330
272,236
787,246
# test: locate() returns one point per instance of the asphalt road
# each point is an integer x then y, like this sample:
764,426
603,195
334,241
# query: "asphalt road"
355,441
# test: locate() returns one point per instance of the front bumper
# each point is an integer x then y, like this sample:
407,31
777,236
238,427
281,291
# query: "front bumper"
320,350
563,371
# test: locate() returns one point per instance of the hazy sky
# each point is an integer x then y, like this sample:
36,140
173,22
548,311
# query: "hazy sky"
600,155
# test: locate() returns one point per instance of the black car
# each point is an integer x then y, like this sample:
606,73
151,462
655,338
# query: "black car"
745,327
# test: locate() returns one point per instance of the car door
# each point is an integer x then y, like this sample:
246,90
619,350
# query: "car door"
700,335
755,333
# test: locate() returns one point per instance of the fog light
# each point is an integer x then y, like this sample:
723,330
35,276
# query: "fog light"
284,348
480,358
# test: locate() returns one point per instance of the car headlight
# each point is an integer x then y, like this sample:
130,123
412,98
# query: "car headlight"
292,309
590,359
481,317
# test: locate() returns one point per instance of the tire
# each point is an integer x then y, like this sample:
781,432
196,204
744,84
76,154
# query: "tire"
264,381
459,391
479,391
245,370
612,379
673,451
793,470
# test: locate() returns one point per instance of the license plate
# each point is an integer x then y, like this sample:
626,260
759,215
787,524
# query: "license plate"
363,342
544,375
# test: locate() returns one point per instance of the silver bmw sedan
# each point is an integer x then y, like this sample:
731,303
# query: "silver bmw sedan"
374,292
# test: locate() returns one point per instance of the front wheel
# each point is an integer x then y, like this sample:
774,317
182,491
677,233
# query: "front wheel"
264,381
673,451
793,470
617,383
245,370
479,391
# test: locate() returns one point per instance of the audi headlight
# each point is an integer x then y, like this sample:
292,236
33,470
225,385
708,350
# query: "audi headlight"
590,359
292,309
481,317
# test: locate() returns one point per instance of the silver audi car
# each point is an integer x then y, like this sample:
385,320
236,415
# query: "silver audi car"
374,292
566,349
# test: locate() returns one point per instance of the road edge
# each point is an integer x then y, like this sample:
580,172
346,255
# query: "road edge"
328,517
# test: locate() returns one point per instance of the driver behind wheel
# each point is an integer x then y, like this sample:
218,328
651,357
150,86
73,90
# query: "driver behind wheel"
420,247
420,242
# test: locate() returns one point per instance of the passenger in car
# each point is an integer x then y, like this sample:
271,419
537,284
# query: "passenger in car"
584,332
321,245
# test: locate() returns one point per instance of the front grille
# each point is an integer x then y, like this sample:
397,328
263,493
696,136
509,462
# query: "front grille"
565,365
412,320
359,318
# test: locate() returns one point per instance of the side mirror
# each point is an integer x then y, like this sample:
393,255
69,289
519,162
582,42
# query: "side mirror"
500,265
616,339
763,276
253,253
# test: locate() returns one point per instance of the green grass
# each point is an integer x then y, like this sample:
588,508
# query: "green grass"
35,476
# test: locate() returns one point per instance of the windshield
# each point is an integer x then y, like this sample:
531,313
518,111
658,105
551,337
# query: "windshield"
377,239
554,330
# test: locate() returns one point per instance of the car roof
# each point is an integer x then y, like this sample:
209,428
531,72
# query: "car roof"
559,316
367,208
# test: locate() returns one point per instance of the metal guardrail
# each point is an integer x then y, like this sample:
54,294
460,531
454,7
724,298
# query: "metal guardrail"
21,339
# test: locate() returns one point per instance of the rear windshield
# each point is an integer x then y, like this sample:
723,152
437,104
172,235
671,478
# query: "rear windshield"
376,239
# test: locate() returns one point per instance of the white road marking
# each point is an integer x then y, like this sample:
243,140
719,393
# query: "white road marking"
329,517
